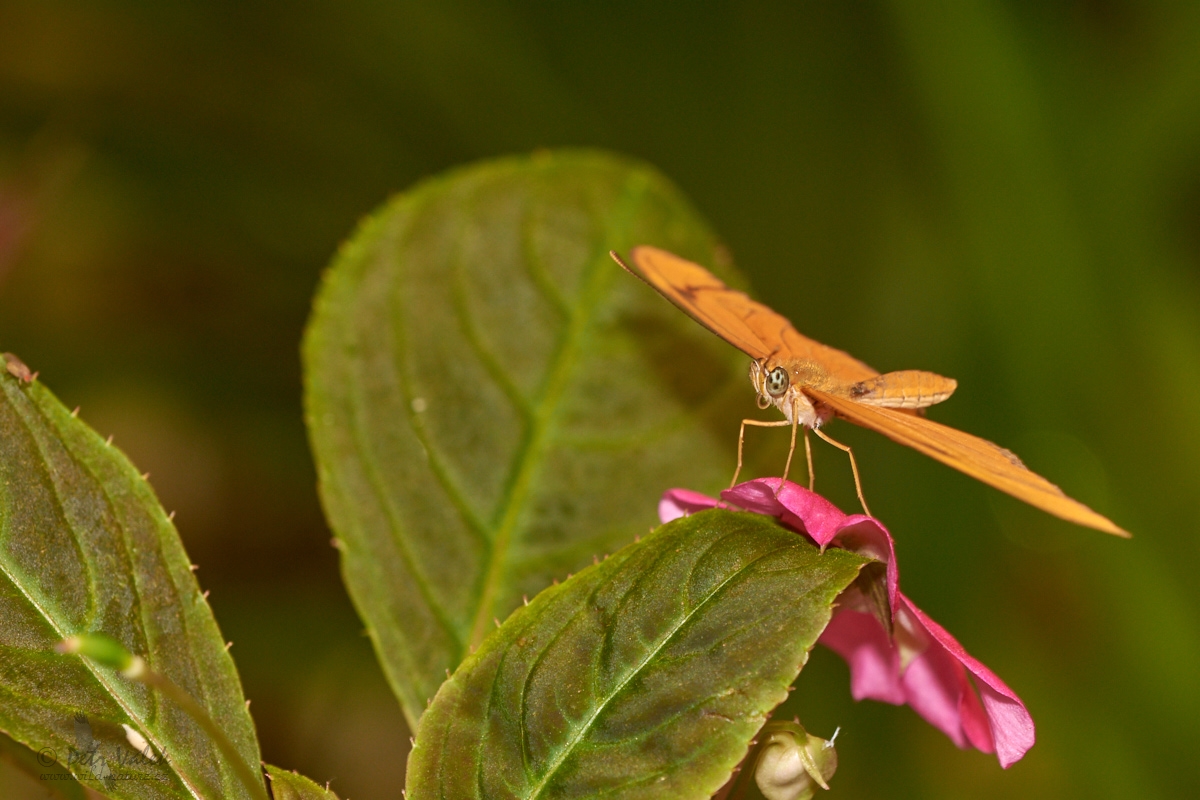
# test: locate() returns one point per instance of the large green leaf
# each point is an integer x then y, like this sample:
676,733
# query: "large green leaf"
644,676
492,401
86,547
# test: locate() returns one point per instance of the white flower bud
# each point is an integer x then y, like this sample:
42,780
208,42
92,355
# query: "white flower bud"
792,763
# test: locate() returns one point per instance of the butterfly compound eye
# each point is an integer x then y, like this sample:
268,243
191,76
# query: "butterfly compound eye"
777,382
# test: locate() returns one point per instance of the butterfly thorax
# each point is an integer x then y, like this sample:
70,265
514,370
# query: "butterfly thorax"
780,383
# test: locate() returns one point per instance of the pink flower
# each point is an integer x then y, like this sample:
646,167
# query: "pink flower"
918,663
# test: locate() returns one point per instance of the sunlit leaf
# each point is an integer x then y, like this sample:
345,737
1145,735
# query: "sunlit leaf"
492,401
642,677
85,547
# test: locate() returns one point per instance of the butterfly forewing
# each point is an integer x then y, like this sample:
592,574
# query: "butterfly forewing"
969,454
700,295
746,324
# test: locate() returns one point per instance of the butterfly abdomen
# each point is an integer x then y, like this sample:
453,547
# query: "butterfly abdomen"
908,388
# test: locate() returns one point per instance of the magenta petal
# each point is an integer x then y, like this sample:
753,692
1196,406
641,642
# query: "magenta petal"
1009,722
798,507
937,688
874,662
676,503
934,682
867,536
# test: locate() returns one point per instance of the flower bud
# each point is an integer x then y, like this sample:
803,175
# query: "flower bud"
98,646
792,763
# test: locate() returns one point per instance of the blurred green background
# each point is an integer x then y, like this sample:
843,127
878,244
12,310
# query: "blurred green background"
1003,192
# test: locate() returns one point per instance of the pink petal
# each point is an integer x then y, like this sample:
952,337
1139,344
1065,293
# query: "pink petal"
867,536
936,687
874,662
934,682
1008,721
805,511
676,503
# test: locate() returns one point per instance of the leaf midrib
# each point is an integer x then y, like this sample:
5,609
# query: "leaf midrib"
569,746
530,456
102,678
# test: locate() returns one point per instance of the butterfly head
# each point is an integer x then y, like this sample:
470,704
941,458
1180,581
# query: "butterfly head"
779,383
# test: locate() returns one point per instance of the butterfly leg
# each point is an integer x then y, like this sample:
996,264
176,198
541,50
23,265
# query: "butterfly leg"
742,438
787,465
853,467
812,476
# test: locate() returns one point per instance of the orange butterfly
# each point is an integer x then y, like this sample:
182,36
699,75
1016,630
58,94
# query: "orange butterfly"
811,383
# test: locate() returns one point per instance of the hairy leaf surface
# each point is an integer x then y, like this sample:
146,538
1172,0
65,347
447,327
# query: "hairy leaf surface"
290,786
86,547
644,676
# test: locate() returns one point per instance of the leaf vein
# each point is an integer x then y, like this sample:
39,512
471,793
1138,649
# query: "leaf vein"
669,636
529,457
101,678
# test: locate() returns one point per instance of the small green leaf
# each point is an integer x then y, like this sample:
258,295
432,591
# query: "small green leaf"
86,548
642,677
492,402
290,786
